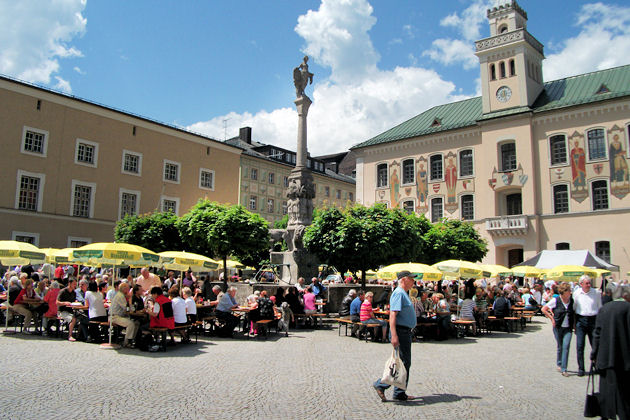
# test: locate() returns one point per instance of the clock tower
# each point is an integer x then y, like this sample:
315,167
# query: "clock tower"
510,60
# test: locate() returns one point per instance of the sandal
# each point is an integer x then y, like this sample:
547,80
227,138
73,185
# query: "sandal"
72,339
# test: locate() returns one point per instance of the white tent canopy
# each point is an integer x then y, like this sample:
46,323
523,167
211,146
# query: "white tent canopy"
550,259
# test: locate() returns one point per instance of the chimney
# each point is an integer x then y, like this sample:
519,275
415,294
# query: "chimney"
245,134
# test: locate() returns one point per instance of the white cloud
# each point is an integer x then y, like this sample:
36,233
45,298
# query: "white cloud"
357,102
78,70
451,51
603,41
62,85
36,34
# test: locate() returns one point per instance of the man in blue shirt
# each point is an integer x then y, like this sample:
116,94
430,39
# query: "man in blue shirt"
355,309
402,321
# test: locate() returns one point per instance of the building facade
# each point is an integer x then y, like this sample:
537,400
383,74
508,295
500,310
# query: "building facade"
265,173
72,168
533,165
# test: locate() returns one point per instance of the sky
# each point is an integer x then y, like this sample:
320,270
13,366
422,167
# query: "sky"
214,66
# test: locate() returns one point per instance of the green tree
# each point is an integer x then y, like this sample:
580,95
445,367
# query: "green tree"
156,231
225,230
363,238
282,223
453,239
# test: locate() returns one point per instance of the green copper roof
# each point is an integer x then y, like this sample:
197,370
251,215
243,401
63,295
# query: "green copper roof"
571,91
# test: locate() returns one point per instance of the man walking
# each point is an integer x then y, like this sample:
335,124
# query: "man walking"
587,303
402,321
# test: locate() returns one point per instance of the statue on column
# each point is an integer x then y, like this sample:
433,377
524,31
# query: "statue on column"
302,77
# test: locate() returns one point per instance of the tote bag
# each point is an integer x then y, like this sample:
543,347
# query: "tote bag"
394,372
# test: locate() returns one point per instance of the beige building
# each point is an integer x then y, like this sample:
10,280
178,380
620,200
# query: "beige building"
265,173
534,165
72,168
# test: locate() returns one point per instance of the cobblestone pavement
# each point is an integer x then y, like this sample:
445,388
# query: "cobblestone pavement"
309,375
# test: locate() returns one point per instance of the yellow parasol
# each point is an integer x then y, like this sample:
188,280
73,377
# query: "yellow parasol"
422,271
526,271
461,269
182,261
496,270
570,272
20,253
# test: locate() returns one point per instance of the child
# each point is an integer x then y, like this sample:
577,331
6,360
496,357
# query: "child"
285,318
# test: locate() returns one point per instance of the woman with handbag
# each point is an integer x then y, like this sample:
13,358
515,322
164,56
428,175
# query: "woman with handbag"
560,311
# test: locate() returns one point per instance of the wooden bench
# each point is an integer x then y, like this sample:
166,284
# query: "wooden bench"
343,321
260,325
313,317
462,326
159,332
363,327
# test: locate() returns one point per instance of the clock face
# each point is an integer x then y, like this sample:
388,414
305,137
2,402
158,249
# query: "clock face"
504,94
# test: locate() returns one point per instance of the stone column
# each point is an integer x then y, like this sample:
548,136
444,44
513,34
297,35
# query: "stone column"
302,104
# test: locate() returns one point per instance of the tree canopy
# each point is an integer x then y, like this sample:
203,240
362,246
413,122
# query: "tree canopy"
363,238
453,239
155,231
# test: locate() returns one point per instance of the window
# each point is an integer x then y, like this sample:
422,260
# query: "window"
29,191
270,205
514,204
436,167
408,206
350,196
558,149
563,246
600,195
252,202
436,210
468,207
206,179
28,237
171,171
493,72
77,242
34,141
512,68
502,69
338,195
596,144
170,204
132,163
86,153
602,250
253,174
408,169
284,208
129,202
560,198
466,163
508,156
83,199
286,181
272,177
381,175
327,191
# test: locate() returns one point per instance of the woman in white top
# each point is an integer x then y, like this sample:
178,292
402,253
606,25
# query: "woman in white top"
179,312
467,309
191,305
95,303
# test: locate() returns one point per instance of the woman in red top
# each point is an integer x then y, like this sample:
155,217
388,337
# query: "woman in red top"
21,307
366,315
51,300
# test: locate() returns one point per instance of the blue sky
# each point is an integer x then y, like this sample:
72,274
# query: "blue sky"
215,66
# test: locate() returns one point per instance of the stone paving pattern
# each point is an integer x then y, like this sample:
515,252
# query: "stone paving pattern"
312,374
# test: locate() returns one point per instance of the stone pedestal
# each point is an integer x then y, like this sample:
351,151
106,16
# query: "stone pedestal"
297,263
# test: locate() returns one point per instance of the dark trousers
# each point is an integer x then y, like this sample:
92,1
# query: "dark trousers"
584,327
404,349
230,322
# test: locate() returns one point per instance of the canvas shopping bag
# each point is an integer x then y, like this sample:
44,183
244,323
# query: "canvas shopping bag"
395,373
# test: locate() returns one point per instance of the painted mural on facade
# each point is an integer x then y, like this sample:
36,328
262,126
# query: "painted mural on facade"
394,185
579,189
499,180
422,185
450,177
619,181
